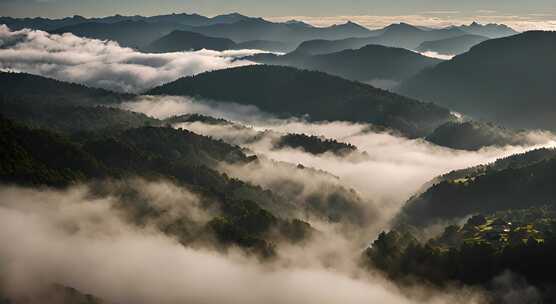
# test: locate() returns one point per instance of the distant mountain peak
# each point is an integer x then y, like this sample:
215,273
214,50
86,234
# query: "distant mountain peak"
350,25
402,26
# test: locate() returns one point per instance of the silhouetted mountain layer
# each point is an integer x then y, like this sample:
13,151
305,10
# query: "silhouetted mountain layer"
242,29
452,46
188,41
290,92
366,64
139,32
397,35
179,41
127,33
181,19
490,30
260,29
508,81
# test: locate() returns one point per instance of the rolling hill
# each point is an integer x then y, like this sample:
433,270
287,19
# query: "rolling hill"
47,24
287,92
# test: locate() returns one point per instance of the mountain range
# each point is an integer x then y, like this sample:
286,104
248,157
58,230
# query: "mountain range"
251,32
401,35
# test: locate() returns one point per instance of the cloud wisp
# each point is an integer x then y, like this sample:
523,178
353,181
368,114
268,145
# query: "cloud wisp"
104,64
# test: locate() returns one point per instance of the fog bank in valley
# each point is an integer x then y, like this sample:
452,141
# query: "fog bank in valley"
395,167
77,239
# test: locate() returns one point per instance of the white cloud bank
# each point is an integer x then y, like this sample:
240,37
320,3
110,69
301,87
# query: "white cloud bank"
73,239
104,64
433,19
396,168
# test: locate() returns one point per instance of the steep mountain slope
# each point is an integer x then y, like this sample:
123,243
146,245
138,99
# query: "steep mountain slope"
139,32
518,182
188,41
452,46
290,92
508,81
368,63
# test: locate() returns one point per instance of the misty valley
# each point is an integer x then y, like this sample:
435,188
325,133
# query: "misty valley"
180,158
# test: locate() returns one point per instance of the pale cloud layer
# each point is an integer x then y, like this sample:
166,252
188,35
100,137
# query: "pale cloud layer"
395,168
104,64
434,19
79,240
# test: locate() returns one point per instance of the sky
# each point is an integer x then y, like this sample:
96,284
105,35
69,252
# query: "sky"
533,14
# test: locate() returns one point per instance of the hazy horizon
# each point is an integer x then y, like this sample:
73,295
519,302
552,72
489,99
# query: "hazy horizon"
539,15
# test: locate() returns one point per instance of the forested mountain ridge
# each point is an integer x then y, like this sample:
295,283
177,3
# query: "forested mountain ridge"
481,252
517,182
41,158
290,92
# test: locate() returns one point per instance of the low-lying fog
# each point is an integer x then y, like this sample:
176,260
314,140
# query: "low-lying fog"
395,169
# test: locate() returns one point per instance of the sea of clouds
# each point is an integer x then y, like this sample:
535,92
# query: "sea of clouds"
104,64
